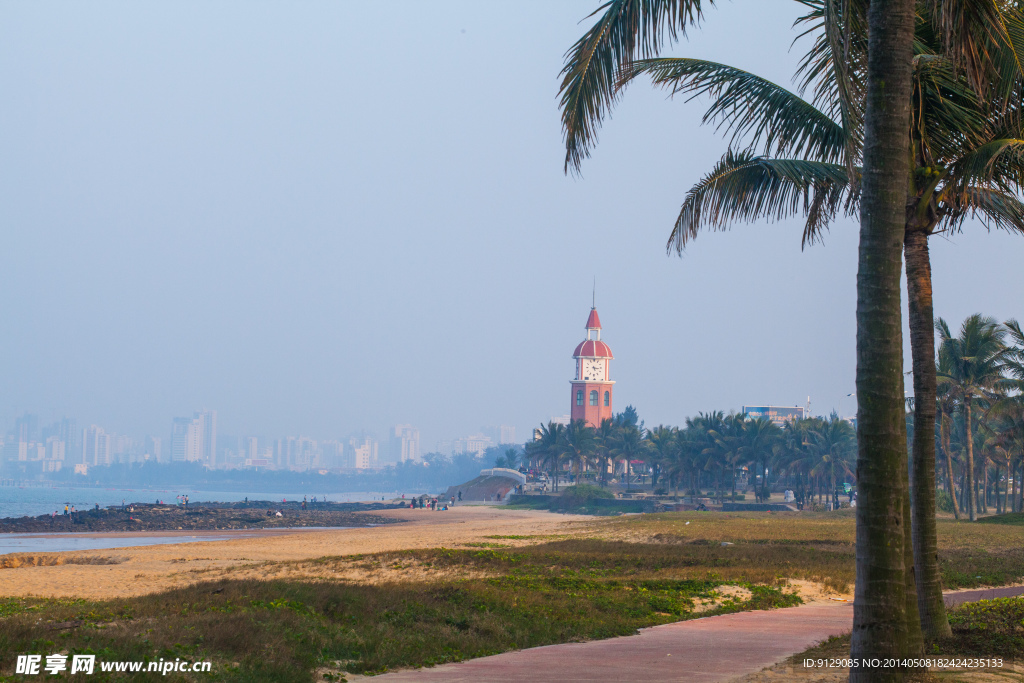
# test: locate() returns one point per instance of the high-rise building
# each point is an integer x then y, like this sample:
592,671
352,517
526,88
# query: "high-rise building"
500,434
363,452
332,454
69,434
475,443
154,448
186,439
95,446
55,448
591,398
405,444
305,454
209,421
26,428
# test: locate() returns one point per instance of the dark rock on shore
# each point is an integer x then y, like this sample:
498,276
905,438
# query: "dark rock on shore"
204,517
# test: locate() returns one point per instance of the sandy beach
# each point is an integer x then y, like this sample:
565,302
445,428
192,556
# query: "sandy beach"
148,569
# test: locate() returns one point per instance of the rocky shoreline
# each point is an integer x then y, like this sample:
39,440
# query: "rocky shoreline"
204,517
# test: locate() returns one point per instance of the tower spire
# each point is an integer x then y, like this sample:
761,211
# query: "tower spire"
593,296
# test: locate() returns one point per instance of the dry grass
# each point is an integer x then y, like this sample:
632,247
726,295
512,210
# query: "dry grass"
820,546
14,561
466,603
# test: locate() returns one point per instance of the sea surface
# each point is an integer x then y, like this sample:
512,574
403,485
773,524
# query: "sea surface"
52,543
32,501
63,542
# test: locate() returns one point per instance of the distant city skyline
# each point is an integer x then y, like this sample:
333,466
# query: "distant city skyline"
313,230
195,439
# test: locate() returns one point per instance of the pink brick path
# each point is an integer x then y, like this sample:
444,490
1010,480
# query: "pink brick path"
708,650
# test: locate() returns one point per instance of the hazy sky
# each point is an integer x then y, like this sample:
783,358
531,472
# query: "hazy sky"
320,217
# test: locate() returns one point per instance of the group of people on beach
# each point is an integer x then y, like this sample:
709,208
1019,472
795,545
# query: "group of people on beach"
69,511
433,503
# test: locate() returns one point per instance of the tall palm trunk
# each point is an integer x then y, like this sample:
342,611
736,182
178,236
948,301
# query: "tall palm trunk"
972,489
1020,487
880,626
930,604
944,435
1006,486
981,481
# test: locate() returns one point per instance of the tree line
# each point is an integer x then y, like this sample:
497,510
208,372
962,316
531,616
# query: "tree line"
980,408
714,452
980,432
908,113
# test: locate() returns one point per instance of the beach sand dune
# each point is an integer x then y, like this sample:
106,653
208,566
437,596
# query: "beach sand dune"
148,569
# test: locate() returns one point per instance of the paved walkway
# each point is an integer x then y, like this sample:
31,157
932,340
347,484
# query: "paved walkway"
709,650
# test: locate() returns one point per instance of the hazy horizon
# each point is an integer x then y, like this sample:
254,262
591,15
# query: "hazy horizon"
323,218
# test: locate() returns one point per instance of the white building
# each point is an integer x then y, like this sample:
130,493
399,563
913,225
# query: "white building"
186,439
405,444
55,448
95,446
208,418
500,434
363,453
154,449
475,443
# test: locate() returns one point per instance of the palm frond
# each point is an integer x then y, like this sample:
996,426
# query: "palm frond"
947,116
624,30
995,209
835,66
746,187
752,108
975,34
1014,362
997,164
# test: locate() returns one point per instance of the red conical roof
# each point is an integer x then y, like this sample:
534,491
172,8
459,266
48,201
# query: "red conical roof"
592,349
593,322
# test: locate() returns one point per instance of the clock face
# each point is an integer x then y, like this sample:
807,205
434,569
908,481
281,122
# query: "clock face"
593,370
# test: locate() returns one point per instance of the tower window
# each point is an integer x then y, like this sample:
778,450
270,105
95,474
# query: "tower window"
593,398
579,397
607,398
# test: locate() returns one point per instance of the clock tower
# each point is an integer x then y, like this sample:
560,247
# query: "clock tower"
592,386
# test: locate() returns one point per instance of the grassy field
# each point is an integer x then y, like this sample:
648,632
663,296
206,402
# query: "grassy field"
820,546
490,596
300,630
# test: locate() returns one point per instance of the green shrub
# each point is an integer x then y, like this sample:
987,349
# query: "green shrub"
584,492
943,501
987,627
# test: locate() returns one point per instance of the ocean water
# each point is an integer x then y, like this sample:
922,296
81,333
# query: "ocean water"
32,501
55,543
64,542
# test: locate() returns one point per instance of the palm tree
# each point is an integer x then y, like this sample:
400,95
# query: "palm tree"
629,445
848,73
946,408
1009,415
821,178
975,364
884,624
726,446
579,445
549,448
833,445
1014,360
758,442
604,438
509,459
664,447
